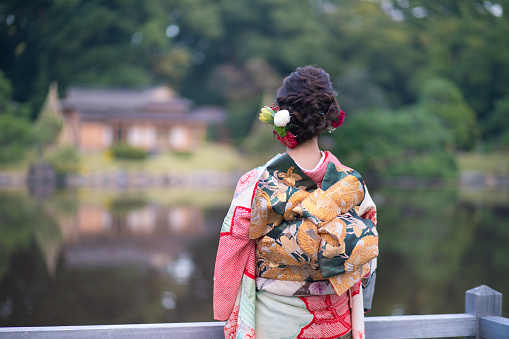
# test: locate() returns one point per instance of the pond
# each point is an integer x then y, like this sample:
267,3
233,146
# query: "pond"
91,256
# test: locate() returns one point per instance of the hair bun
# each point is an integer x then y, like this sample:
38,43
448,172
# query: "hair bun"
310,98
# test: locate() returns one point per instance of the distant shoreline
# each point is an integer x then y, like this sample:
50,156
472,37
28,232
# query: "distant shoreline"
221,179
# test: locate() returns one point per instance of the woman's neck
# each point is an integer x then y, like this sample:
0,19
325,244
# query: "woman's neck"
306,155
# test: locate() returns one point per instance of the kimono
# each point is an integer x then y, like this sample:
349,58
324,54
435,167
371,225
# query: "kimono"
297,253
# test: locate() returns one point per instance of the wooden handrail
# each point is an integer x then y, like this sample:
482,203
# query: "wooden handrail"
482,319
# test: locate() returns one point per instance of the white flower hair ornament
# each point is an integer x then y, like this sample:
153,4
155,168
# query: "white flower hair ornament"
279,119
282,118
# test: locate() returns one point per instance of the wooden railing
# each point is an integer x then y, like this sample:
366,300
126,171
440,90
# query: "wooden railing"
482,319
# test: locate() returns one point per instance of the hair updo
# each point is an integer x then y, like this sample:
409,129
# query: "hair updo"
308,95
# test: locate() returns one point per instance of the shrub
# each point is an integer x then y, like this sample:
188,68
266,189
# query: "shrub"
15,138
126,152
64,160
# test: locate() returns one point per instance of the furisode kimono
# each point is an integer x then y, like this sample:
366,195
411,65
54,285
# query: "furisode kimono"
297,259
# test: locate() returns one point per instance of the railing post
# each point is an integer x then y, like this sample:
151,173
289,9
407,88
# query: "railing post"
482,301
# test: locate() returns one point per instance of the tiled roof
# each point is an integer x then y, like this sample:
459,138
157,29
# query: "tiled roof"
152,104
161,99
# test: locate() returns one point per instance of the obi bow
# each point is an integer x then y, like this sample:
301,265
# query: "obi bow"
318,228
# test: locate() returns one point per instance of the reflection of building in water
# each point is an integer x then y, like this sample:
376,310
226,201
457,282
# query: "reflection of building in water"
96,220
93,219
142,221
184,220
153,235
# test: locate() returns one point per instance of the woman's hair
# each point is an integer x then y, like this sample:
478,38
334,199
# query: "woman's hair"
308,95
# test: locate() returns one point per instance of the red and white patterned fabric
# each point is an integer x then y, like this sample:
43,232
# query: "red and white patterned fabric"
238,251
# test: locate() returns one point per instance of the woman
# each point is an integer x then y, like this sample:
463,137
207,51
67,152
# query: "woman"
298,247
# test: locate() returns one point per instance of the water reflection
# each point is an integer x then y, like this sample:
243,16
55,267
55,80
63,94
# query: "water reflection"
106,257
131,232
436,244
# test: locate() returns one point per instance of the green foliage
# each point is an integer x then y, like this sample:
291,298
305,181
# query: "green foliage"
64,160
358,91
503,142
496,128
261,140
113,43
126,152
281,131
234,52
15,137
407,142
15,131
465,42
5,91
442,98
7,106
241,116
50,121
46,130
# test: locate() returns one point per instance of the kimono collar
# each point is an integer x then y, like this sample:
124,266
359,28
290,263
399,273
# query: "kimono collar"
285,164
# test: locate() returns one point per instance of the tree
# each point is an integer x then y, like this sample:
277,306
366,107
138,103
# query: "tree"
50,120
206,48
15,138
7,105
15,129
497,125
110,43
407,142
463,41
358,92
442,98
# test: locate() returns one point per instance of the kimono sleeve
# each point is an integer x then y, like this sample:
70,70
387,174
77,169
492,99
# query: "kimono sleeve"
236,252
367,210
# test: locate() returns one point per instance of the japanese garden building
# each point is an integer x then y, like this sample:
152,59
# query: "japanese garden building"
154,119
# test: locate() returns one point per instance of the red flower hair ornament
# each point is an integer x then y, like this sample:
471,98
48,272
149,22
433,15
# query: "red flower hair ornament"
288,140
336,123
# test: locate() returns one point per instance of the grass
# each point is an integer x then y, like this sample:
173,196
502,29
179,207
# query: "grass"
22,165
210,157
496,163
484,196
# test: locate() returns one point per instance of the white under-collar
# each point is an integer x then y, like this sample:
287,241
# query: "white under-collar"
317,165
